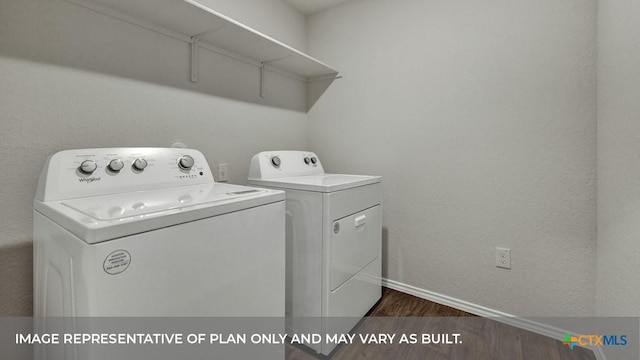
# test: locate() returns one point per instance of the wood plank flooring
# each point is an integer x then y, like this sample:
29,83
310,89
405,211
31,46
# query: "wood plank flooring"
482,338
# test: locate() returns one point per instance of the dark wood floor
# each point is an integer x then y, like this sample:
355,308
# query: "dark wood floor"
482,338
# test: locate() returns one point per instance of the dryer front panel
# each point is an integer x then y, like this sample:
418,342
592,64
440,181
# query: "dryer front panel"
355,242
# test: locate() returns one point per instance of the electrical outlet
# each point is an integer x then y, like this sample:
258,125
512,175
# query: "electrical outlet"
503,258
223,172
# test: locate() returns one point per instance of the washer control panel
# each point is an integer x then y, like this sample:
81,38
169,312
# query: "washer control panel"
277,164
91,172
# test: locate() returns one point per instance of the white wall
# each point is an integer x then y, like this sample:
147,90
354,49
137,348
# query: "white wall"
71,78
618,289
481,117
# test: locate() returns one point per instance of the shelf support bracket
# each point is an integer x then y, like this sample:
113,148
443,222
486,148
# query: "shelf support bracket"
194,58
195,52
263,73
262,79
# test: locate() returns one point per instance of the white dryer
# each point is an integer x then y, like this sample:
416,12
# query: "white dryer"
147,232
333,241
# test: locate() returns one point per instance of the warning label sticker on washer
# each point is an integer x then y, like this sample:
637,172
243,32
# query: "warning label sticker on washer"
117,262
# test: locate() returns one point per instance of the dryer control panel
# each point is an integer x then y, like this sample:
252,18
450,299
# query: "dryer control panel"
92,172
285,163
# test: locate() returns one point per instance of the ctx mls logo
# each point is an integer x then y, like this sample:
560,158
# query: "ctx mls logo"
89,180
594,340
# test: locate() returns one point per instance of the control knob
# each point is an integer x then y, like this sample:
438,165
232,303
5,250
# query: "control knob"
186,162
314,160
115,165
139,164
275,161
306,160
87,167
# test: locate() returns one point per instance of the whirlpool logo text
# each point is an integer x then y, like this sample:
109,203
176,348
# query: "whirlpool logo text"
89,179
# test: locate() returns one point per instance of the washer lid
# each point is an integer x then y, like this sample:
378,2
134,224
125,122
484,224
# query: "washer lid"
319,183
101,218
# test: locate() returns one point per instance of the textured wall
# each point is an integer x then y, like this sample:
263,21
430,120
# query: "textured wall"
481,117
618,290
71,78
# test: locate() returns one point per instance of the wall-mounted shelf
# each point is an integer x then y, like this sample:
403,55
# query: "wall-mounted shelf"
191,21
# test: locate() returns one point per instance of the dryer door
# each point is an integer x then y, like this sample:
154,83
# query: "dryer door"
355,242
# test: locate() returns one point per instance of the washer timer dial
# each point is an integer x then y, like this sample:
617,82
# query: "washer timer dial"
186,162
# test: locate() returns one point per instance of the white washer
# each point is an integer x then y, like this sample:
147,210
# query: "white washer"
146,232
333,241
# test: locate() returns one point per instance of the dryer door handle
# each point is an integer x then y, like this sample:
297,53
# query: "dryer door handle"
360,220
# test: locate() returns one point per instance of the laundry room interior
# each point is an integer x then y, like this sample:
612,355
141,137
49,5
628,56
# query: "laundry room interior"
493,124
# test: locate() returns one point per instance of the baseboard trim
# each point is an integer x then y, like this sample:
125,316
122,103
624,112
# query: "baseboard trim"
505,318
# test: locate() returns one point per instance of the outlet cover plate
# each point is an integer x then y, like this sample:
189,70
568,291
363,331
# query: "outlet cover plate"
503,258
223,172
